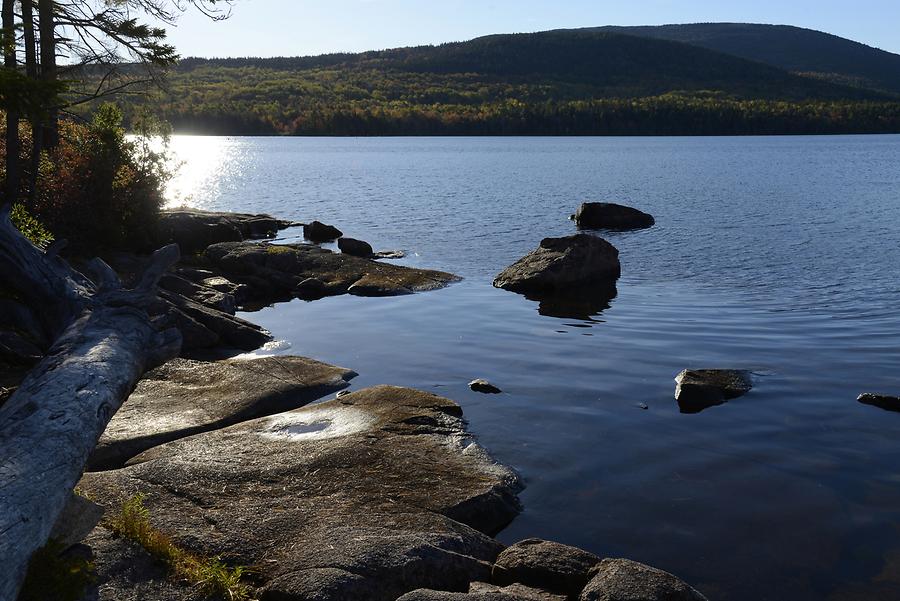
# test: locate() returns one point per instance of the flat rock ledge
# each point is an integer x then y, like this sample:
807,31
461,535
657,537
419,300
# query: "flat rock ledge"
193,229
368,496
185,397
563,265
699,389
611,216
281,272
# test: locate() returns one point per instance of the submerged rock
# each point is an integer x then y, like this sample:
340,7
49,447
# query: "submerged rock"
545,565
368,496
882,401
611,216
561,264
274,273
321,232
357,248
483,386
699,389
184,397
626,580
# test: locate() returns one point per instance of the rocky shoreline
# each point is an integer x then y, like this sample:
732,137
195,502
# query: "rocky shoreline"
378,494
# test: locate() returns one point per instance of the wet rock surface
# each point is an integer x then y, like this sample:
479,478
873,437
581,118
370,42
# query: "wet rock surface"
545,565
882,401
611,216
368,496
626,580
564,264
699,389
185,397
275,272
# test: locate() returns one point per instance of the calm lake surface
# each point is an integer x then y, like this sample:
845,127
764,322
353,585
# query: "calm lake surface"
780,255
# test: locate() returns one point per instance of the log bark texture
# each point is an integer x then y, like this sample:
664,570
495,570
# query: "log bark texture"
105,342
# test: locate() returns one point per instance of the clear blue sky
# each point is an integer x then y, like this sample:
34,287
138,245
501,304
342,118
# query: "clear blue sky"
304,27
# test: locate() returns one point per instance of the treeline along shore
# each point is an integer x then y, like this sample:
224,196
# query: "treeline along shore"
575,82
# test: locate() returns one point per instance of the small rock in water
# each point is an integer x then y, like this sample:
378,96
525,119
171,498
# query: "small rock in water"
310,289
357,248
484,386
642,406
882,401
321,232
611,216
699,389
389,254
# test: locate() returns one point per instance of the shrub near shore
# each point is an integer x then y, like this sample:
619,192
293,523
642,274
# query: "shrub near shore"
98,189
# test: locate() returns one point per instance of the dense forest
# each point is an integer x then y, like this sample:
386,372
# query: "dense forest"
564,82
795,49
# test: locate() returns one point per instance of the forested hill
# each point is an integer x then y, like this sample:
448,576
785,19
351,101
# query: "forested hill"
794,49
561,82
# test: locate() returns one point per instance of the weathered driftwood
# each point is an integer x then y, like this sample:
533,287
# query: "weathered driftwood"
104,341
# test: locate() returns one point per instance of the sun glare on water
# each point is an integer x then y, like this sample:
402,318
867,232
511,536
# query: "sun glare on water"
200,164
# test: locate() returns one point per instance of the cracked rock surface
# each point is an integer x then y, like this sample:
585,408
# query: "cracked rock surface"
368,496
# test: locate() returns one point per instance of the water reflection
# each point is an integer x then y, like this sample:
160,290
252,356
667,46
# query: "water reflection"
584,304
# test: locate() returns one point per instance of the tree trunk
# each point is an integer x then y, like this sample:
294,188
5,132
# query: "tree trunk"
11,190
51,424
31,70
47,28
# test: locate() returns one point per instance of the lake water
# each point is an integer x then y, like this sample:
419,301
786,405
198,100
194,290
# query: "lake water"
780,255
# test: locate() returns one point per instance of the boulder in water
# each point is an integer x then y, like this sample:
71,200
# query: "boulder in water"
320,232
699,389
562,264
882,401
357,248
611,216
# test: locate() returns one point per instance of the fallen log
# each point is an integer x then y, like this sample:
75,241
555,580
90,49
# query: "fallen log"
104,342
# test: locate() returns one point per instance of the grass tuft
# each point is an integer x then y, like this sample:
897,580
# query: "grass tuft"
210,575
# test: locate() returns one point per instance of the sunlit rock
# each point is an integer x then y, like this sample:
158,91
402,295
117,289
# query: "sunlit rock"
369,496
561,264
699,389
